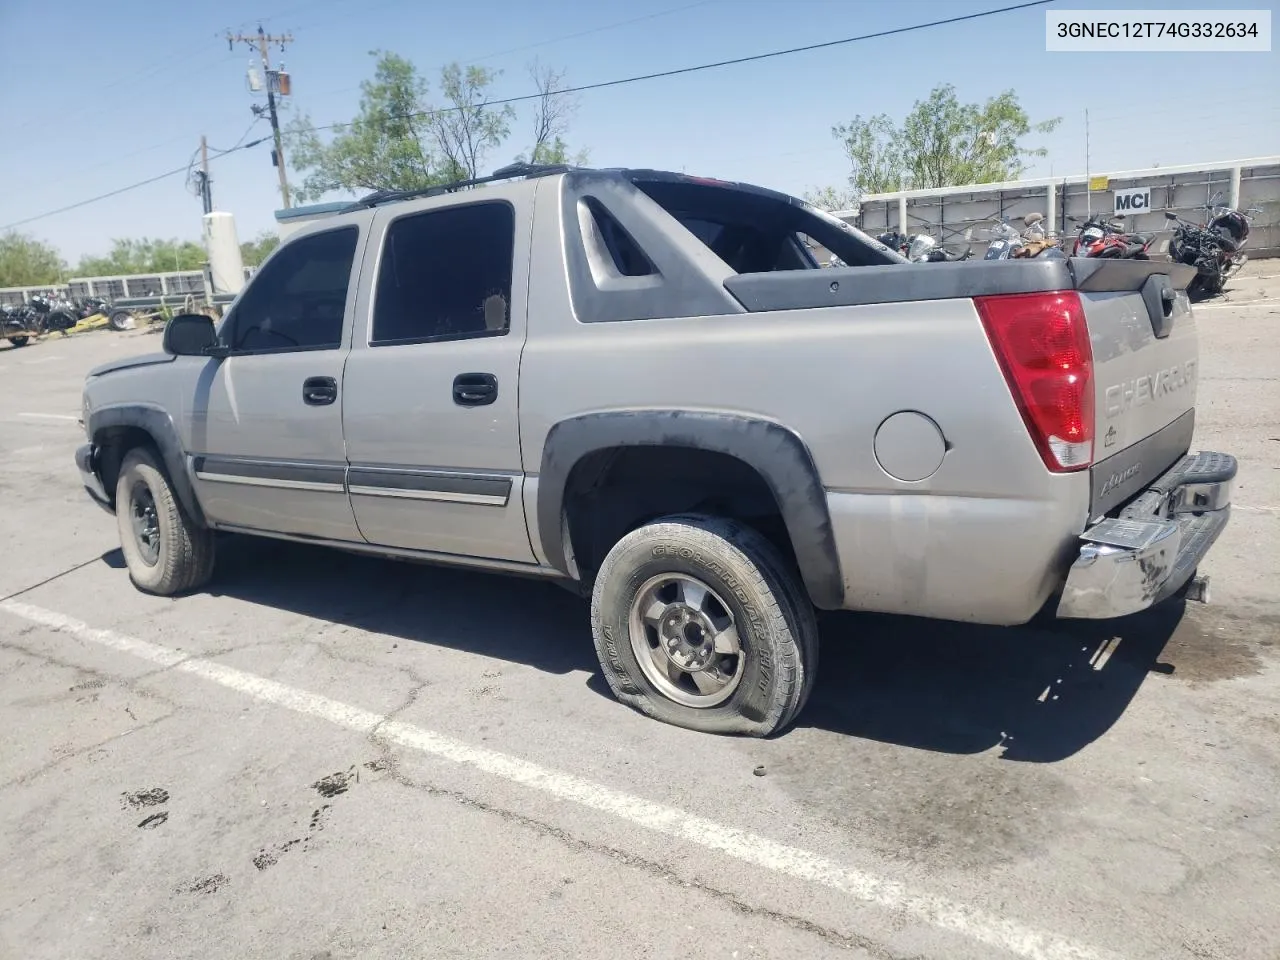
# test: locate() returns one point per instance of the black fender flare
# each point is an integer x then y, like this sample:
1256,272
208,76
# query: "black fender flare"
158,424
775,452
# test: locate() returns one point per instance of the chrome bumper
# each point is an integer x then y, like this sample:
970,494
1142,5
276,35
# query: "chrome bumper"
87,464
1151,551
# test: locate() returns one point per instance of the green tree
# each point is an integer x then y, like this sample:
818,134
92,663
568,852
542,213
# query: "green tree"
468,129
28,262
553,112
832,199
874,153
254,251
399,140
145,255
941,143
386,147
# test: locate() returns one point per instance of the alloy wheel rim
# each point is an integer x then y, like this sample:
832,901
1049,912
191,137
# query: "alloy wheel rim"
685,639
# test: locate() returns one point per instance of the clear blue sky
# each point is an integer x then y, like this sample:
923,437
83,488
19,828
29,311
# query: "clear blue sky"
97,96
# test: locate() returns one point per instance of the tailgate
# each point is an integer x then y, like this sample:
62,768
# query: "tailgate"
1145,365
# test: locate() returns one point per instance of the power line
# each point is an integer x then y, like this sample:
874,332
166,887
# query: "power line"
133,186
237,144
585,87
680,71
542,43
144,74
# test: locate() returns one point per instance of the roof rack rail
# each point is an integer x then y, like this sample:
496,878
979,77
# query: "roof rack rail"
511,171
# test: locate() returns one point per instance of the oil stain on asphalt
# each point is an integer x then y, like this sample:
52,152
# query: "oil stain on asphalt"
152,797
335,783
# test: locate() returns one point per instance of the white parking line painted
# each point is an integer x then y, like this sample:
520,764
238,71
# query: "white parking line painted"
52,416
972,922
1235,304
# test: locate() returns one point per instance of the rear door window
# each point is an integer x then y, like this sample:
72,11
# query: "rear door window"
446,275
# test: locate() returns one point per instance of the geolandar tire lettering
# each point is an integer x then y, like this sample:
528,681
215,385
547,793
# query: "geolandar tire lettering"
165,550
699,622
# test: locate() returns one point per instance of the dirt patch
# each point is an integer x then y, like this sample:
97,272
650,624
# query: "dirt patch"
206,884
89,685
270,857
335,783
317,818
151,797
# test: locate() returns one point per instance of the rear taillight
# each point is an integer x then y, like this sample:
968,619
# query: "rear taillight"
1042,344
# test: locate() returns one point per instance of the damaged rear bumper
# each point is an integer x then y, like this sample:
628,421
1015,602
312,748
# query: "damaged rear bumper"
1151,551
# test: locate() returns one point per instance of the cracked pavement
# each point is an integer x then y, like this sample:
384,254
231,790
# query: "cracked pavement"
1129,810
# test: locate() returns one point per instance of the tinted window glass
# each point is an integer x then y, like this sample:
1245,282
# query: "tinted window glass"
298,299
446,274
627,257
755,231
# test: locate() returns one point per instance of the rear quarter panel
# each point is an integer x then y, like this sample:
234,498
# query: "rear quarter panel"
984,538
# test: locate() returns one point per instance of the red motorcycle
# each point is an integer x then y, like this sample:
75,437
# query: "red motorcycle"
1106,239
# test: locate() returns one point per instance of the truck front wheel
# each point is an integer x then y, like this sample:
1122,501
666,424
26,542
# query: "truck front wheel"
698,622
165,550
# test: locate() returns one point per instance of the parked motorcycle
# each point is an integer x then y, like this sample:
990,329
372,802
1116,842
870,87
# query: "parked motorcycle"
1213,247
88,306
1105,238
1005,242
53,314
924,249
895,241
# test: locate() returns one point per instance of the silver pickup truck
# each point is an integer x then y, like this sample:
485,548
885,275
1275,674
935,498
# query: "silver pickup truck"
641,384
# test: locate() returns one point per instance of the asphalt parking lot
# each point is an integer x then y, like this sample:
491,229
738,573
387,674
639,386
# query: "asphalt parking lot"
326,756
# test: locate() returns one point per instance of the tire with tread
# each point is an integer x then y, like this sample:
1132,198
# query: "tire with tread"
186,552
19,341
775,620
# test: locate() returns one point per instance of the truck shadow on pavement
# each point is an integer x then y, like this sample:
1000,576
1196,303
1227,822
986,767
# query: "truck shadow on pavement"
938,686
1042,691
519,619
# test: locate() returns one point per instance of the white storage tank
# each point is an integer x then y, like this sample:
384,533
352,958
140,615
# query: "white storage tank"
226,265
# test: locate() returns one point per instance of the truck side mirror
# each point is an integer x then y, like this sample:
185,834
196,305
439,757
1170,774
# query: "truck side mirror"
189,335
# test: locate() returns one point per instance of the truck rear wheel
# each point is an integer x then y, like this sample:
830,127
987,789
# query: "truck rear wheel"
698,622
166,552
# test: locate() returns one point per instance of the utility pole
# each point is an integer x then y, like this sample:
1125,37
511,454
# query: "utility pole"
206,195
274,79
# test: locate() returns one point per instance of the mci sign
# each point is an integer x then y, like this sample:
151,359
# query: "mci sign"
1132,201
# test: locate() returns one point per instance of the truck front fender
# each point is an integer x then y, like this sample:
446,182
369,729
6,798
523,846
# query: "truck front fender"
158,425
775,452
